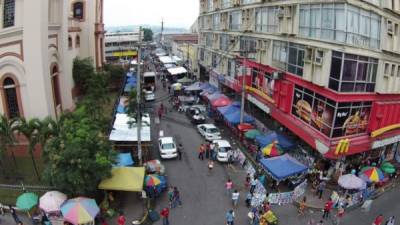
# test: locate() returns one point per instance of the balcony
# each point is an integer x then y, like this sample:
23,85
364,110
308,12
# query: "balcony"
74,25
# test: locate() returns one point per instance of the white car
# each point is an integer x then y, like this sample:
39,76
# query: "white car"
149,96
209,131
167,147
222,150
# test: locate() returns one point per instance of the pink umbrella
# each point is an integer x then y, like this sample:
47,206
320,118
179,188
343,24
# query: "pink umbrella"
51,201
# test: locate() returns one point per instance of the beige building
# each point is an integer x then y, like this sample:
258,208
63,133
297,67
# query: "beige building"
38,42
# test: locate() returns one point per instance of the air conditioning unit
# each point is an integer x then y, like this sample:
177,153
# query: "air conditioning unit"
309,54
318,57
232,39
390,27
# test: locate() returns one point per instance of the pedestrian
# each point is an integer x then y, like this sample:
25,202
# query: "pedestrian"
253,184
266,206
256,217
207,148
247,181
302,206
321,188
14,215
229,186
212,149
177,198
229,154
1,210
215,152
340,214
327,209
235,198
378,220
165,214
169,89
321,222
170,196
390,221
121,219
230,217
180,149
201,152
249,197
210,166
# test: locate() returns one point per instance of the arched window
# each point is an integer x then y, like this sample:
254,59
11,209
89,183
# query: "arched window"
77,8
69,42
8,13
12,107
77,41
56,89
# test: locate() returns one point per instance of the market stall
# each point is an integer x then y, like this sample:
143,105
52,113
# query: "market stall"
283,167
283,142
124,179
233,118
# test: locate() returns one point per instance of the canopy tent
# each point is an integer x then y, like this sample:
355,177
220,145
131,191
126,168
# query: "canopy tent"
209,90
123,132
124,179
124,159
221,101
176,58
229,108
245,127
283,141
185,80
282,167
166,59
214,96
193,87
177,70
234,118
252,134
205,85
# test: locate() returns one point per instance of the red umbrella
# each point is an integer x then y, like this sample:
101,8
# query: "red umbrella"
245,126
220,102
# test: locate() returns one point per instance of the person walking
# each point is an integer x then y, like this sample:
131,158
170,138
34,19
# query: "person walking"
253,185
230,217
247,181
210,166
201,152
170,196
177,198
207,150
235,198
378,220
14,215
212,149
327,209
229,186
321,188
302,206
339,214
249,197
165,214
390,221
180,149
121,219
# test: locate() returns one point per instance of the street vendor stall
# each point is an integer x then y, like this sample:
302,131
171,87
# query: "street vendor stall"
124,179
233,118
282,167
283,142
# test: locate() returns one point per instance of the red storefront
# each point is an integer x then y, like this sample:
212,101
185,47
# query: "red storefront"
321,117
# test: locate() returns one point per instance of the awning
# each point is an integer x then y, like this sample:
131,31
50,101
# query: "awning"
193,87
214,96
282,140
224,110
283,167
234,118
124,179
177,70
123,132
221,101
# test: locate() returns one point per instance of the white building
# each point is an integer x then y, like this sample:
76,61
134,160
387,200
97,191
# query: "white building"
121,45
38,42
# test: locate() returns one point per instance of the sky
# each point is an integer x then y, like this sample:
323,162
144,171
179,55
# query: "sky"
175,13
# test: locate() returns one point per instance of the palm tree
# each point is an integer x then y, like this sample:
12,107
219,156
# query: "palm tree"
31,130
48,128
7,138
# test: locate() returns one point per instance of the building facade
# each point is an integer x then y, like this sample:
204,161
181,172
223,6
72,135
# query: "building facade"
121,45
329,71
38,42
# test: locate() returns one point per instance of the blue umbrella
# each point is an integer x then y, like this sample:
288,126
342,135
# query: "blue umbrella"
124,159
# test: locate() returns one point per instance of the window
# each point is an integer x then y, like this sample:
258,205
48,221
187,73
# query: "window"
210,5
56,87
267,19
353,73
214,60
8,13
78,10
226,4
209,39
70,42
202,54
290,56
247,1
77,41
11,98
329,117
224,42
248,45
341,23
216,21
235,19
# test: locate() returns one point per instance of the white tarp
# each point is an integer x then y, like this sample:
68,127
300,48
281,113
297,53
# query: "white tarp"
122,132
177,70
176,58
149,74
166,59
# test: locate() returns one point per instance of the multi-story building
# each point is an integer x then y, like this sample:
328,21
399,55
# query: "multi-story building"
121,45
329,71
38,42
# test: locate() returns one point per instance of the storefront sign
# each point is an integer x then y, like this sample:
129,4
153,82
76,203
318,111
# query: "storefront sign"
259,104
321,148
387,141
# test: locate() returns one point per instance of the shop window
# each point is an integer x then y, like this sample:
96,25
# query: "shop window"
8,13
70,42
56,86
12,107
77,41
78,8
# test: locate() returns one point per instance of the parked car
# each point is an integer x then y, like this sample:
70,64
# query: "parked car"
209,131
202,108
195,115
222,151
167,147
149,96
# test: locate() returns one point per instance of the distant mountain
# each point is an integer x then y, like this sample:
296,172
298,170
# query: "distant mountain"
155,29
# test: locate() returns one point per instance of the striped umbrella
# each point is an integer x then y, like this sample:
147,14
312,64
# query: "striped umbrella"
79,210
151,180
272,150
371,174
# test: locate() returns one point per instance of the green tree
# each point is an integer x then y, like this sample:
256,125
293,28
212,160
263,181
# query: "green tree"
79,157
82,72
30,129
7,138
131,108
148,34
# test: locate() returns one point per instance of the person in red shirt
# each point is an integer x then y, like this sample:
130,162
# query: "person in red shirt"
121,219
327,209
378,220
164,214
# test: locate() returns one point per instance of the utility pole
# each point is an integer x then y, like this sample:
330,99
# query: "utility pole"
138,99
162,30
243,96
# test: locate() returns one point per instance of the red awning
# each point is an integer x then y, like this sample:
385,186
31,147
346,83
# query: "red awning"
245,127
221,101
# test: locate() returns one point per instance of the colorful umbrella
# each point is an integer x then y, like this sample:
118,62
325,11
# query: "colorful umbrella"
371,174
245,127
27,201
387,167
221,101
51,201
351,182
272,150
154,166
151,180
79,210
251,134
